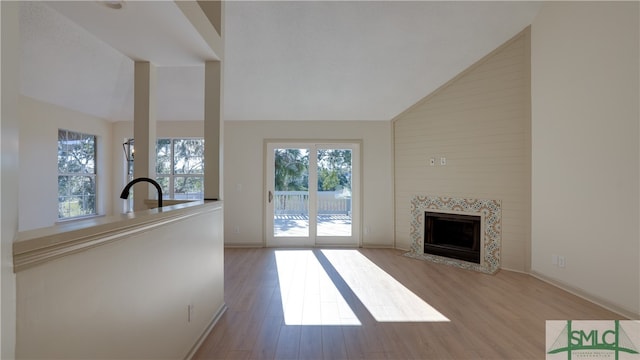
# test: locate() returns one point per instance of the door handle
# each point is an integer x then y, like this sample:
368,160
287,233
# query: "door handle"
270,196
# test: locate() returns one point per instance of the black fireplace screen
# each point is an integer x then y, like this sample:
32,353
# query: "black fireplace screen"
452,235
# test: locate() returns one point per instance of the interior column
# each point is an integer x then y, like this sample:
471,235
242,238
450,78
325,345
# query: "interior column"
212,130
144,131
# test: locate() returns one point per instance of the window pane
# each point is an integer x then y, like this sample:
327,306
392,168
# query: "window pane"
76,152
334,192
89,153
76,196
188,187
62,151
163,156
164,184
188,156
73,152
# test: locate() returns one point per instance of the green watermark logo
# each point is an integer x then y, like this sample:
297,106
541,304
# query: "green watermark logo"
593,339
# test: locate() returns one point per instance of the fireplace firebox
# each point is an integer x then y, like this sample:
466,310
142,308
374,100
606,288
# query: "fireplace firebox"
454,236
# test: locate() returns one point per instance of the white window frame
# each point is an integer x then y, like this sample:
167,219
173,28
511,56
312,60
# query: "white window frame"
93,175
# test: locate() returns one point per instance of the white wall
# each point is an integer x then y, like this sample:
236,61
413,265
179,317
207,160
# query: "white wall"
127,299
585,153
244,173
39,124
10,128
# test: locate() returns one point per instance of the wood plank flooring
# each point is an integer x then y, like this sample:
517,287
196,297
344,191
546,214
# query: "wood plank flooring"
498,316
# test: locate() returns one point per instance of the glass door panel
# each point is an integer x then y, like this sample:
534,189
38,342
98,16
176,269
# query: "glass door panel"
333,207
291,195
288,195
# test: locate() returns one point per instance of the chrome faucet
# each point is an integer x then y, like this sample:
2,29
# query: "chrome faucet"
125,191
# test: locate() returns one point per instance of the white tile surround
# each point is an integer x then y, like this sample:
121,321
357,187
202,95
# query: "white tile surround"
490,212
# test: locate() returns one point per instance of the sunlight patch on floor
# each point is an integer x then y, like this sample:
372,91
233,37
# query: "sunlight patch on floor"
309,296
386,299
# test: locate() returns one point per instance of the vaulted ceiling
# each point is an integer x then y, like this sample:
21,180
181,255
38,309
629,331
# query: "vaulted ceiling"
288,60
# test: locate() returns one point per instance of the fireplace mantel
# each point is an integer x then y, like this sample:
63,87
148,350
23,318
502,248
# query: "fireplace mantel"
489,210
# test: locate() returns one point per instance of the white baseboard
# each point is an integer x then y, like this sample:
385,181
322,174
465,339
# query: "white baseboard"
244,245
206,332
261,245
583,294
377,246
514,270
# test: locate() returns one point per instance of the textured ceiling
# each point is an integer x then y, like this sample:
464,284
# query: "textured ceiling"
309,60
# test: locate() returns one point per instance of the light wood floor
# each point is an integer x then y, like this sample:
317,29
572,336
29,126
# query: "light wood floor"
498,316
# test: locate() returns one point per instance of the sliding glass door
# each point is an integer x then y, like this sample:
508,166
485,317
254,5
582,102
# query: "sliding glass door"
312,194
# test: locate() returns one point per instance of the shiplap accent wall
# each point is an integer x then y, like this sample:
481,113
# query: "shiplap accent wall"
480,121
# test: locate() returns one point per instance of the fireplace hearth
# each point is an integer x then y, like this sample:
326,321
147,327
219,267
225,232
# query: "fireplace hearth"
452,235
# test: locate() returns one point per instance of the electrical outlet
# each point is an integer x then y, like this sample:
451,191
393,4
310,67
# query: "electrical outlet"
432,162
236,229
189,312
443,161
554,259
561,261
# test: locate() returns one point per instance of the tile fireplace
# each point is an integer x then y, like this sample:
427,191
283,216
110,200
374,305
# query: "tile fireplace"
461,232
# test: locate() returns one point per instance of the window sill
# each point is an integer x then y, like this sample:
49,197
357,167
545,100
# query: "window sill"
79,218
